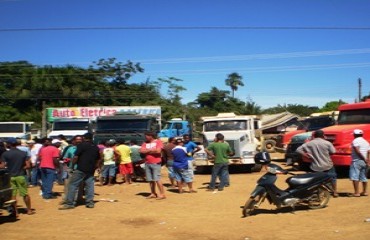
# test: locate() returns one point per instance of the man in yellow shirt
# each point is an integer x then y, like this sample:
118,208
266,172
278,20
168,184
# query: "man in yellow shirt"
126,168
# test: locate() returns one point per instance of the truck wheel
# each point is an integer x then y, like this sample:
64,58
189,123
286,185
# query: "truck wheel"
256,168
269,146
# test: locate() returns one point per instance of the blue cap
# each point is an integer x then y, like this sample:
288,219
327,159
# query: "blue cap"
11,140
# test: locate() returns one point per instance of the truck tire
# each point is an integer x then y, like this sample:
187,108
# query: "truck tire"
269,146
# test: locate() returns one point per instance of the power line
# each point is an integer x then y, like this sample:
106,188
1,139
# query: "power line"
349,28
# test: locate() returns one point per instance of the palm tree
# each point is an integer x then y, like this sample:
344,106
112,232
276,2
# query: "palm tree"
233,81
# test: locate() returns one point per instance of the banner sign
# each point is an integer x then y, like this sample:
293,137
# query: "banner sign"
94,112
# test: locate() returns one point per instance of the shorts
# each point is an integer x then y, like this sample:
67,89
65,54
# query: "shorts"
126,168
19,183
183,175
171,173
108,171
357,171
153,172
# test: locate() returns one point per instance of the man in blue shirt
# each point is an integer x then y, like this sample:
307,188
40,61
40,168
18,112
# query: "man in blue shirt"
191,148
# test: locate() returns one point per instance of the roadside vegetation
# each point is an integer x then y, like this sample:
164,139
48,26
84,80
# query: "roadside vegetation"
26,89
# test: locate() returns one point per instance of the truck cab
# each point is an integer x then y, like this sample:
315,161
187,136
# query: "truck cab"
20,130
70,127
305,125
239,133
176,127
125,127
351,116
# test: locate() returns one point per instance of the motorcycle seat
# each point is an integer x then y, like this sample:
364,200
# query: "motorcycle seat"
305,178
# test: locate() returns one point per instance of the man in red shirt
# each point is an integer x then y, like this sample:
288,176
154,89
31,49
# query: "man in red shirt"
48,156
152,149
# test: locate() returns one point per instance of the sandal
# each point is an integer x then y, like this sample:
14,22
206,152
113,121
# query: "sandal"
364,194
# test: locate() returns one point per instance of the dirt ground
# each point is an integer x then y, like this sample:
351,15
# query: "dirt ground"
202,215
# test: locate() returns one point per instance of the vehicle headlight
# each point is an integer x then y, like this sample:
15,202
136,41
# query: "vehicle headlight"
247,154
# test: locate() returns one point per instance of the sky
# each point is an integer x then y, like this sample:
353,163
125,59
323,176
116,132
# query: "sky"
307,52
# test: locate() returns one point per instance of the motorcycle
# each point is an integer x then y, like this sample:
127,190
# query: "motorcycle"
311,189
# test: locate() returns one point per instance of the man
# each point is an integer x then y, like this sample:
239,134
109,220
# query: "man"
137,161
49,160
318,150
87,158
191,148
182,172
22,145
168,159
126,168
152,149
358,168
35,173
17,161
219,150
69,153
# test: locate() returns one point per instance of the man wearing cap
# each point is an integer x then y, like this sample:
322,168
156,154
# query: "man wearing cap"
49,160
318,150
358,168
17,161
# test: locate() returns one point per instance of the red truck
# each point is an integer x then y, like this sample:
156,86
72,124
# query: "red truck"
351,116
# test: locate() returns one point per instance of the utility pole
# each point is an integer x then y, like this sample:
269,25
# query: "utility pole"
43,121
359,89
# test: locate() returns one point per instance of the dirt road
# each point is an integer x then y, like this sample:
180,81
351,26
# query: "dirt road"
202,215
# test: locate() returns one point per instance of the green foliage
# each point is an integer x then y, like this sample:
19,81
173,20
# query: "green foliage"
234,80
331,106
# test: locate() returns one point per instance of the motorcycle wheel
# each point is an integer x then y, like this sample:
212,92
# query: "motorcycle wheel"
319,199
249,207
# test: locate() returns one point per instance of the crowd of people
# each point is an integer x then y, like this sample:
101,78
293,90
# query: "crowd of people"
42,162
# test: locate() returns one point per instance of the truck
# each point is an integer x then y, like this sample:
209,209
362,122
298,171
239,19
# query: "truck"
71,121
305,125
351,116
127,125
70,127
175,127
239,132
273,125
321,120
20,130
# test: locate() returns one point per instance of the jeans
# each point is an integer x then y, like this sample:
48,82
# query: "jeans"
75,181
35,176
47,178
220,170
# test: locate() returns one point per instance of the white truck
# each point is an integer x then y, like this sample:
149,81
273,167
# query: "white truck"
72,121
239,132
69,127
20,130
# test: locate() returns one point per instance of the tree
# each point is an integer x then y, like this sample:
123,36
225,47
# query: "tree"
234,80
331,106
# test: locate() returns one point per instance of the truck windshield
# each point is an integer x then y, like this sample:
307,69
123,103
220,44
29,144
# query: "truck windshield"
225,125
125,125
315,124
70,125
357,116
11,128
